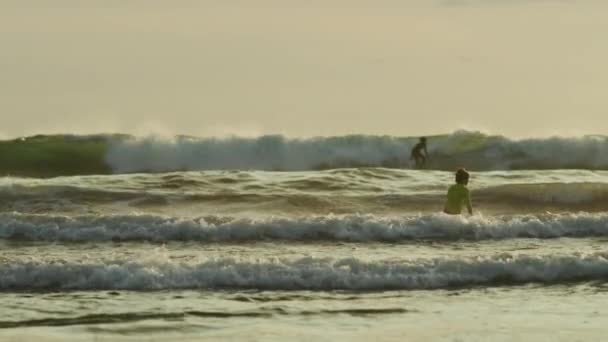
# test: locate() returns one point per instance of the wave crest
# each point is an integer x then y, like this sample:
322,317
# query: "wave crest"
77,155
471,149
306,274
347,228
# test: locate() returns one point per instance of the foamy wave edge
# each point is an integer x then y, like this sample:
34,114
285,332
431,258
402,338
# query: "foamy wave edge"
346,228
306,274
474,150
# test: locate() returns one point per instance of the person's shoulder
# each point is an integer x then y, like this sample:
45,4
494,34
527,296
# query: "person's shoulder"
459,187
465,190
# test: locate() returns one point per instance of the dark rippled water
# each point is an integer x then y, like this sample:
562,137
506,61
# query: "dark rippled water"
346,254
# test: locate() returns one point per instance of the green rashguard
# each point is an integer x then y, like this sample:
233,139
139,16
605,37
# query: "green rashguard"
458,196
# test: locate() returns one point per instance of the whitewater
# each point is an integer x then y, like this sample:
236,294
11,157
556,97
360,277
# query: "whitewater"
114,237
63,155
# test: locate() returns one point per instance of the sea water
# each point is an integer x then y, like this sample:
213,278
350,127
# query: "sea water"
352,253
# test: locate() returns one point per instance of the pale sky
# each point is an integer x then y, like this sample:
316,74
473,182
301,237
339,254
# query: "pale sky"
303,68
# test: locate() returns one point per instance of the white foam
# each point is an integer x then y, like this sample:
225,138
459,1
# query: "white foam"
304,274
348,228
470,149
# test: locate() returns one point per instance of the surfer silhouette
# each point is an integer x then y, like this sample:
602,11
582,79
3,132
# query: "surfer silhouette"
417,153
458,195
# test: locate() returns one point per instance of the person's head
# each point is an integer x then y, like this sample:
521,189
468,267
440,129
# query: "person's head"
462,176
423,140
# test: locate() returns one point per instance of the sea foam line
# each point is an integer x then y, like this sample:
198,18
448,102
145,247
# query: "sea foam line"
305,274
347,228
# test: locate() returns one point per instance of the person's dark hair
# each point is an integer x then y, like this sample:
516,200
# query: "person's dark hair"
462,176
423,139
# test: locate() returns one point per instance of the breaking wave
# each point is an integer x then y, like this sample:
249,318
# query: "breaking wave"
75,155
447,152
305,273
345,228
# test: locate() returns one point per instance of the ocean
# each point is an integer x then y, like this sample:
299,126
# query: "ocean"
117,238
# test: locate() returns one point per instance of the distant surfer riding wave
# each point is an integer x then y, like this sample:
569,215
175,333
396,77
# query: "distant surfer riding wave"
417,153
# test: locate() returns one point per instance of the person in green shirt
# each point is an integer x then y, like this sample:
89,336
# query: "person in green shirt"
458,195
